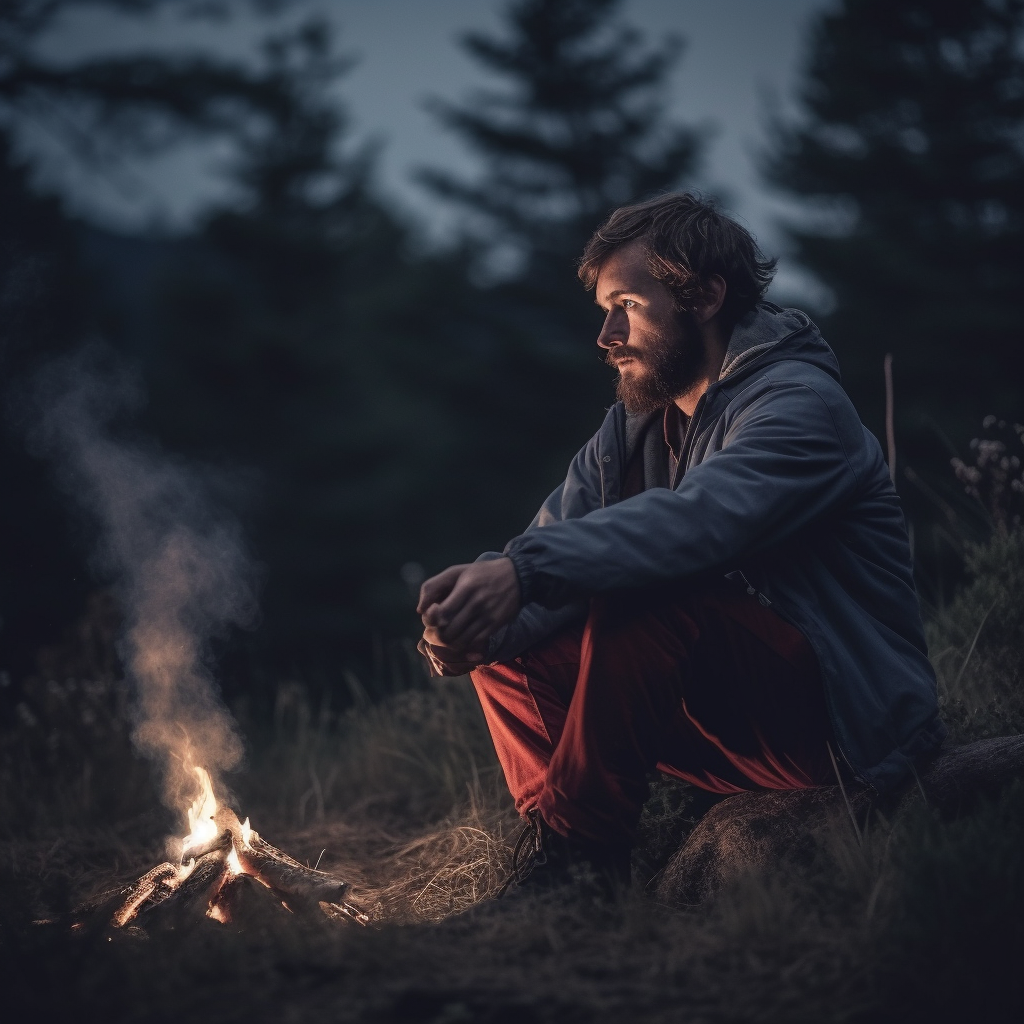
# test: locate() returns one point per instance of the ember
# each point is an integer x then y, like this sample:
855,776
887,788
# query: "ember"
219,856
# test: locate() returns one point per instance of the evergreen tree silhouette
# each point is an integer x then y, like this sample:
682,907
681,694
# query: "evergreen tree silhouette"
579,129
909,149
104,109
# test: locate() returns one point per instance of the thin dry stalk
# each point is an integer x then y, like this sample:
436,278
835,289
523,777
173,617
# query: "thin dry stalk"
974,643
890,429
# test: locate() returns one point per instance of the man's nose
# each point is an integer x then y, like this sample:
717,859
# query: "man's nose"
615,331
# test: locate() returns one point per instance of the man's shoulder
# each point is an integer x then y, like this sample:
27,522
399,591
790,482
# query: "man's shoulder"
807,394
799,371
798,378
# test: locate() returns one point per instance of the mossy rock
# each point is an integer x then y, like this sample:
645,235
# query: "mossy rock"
761,831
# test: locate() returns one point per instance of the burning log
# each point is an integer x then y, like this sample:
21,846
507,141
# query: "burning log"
152,888
195,850
198,888
275,869
224,904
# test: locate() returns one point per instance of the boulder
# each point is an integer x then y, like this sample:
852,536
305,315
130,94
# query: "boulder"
759,831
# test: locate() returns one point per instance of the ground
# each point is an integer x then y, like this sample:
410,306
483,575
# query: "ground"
917,919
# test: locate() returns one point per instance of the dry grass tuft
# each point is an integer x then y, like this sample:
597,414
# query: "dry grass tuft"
446,871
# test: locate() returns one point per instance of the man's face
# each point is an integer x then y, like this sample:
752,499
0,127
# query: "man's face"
657,349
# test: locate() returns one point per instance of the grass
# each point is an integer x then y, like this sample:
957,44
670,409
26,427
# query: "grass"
917,919
978,641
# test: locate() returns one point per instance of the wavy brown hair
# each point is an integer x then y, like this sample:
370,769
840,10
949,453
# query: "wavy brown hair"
687,241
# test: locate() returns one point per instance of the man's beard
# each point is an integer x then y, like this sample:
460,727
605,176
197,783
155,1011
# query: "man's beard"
668,368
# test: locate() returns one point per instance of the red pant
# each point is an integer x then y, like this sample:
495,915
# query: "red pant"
705,684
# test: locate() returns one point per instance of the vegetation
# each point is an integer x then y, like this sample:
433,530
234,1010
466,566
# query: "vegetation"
976,642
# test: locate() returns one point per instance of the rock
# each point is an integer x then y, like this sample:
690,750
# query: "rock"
758,831
955,780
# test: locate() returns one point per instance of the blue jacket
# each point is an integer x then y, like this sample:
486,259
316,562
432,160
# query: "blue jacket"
783,483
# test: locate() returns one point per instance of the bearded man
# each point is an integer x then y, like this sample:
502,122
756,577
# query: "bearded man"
720,589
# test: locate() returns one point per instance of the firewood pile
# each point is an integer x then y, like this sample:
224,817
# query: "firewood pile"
234,866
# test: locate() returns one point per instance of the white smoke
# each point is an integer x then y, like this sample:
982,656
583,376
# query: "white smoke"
175,561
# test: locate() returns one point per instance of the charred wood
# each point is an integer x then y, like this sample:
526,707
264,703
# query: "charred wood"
152,888
277,870
191,898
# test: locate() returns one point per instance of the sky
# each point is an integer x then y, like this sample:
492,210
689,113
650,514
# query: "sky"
738,54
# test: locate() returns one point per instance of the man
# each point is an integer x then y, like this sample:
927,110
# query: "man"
721,588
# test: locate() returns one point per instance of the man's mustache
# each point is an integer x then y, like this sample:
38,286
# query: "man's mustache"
615,355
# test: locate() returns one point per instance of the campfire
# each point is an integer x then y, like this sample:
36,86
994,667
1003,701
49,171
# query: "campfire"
220,860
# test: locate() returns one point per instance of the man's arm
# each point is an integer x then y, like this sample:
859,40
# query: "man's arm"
782,466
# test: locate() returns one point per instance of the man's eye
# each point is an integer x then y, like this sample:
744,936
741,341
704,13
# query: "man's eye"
628,303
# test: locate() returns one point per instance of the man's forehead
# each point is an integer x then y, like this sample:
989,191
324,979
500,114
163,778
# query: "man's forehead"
625,269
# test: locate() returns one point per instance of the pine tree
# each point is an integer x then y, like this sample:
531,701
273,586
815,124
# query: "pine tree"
579,129
104,109
909,150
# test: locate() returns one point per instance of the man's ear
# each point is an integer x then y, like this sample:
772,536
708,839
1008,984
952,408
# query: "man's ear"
711,303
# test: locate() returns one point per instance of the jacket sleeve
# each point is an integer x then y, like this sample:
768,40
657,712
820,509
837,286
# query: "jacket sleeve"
782,464
535,622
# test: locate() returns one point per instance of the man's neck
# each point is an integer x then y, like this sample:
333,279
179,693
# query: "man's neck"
715,344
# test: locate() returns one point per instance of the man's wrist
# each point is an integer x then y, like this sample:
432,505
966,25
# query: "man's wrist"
446,663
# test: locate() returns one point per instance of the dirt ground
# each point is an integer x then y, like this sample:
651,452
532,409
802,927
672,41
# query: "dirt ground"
919,919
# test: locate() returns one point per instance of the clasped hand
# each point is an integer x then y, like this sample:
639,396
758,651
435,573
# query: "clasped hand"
462,607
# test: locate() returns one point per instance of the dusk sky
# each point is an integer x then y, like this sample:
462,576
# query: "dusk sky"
738,53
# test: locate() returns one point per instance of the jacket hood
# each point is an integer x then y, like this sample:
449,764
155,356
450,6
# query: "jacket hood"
769,334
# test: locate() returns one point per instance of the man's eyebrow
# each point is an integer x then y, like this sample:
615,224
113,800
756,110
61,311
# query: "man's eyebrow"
611,295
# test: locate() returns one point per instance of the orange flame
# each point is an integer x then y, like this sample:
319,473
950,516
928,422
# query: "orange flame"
202,827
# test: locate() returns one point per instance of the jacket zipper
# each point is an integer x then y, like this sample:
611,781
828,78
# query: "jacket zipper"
752,590
606,461
764,599
691,433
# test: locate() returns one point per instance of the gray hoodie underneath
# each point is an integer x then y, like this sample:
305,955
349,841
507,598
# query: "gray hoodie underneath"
783,483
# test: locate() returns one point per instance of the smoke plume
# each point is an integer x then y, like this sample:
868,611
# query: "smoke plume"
175,562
